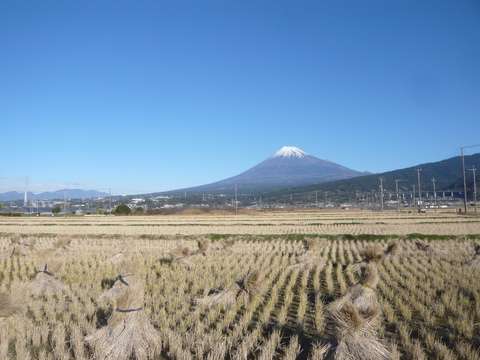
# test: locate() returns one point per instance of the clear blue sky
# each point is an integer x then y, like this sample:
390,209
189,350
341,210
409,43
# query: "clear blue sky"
143,96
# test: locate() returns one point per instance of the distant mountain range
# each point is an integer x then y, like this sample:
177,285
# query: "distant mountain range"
288,167
59,194
448,176
291,171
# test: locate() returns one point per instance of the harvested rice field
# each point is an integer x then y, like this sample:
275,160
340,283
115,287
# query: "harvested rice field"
300,285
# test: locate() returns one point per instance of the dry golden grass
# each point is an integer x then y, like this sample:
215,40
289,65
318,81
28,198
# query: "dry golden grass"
421,294
277,223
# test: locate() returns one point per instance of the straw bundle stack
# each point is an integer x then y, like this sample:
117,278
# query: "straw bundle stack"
354,336
422,245
203,247
310,256
393,249
373,253
227,244
120,255
182,255
45,282
352,320
115,259
60,247
129,333
426,247
127,276
476,259
18,248
244,291
362,295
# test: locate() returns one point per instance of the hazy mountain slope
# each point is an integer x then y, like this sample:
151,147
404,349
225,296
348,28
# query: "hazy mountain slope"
59,194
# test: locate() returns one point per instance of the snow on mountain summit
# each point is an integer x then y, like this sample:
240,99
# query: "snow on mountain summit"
288,167
290,151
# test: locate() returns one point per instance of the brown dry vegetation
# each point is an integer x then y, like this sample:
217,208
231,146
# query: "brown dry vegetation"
258,223
430,301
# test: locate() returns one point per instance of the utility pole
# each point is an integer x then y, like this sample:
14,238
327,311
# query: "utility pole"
109,201
413,195
434,195
381,193
236,203
398,200
462,149
65,202
474,189
419,191
464,182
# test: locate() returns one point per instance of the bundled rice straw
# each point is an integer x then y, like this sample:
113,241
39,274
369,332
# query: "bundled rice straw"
227,244
422,245
12,302
182,255
127,276
120,256
203,247
393,249
426,247
311,244
45,282
60,247
18,248
244,290
476,259
354,336
353,318
310,256
362,294
116,258
129,332
373,253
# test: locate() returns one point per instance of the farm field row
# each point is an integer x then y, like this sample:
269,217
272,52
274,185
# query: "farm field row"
430,300
323,223
192,303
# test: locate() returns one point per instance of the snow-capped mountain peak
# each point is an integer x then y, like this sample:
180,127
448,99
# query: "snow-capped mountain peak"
290,151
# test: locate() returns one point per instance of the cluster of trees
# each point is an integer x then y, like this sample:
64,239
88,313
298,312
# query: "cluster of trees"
125,210
119,210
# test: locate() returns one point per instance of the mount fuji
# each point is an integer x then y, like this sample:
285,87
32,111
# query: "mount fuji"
288,167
